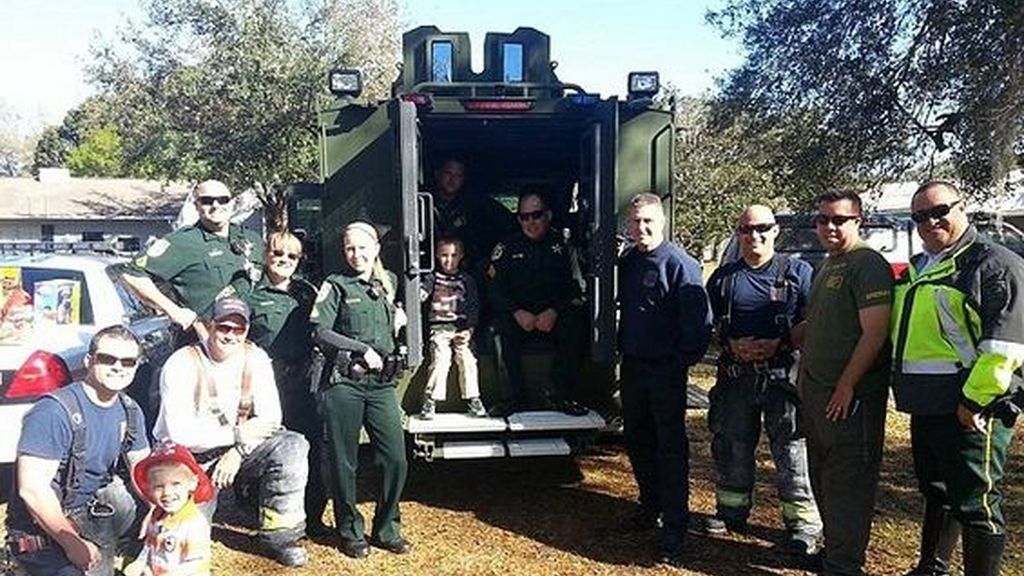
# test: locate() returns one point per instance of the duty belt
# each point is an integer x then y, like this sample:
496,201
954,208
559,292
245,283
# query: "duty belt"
764,368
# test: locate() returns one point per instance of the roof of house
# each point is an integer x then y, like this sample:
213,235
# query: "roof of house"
88,198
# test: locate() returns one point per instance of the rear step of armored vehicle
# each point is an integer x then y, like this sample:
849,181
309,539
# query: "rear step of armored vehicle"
454,436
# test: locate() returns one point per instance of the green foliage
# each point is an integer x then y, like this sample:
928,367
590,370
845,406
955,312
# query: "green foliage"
51,150
228,89
98,154
880,87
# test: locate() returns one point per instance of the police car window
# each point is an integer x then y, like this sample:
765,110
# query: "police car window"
441,62
134,308
59,296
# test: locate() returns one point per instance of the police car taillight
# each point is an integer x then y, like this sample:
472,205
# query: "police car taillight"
497,105
42,372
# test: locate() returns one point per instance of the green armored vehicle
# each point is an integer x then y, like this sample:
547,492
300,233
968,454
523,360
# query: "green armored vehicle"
516,128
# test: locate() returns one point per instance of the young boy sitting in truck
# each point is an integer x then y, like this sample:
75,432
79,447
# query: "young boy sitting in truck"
453,314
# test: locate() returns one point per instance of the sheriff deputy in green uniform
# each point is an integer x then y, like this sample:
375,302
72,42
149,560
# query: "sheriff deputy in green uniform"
281,304
958,339
203,262
355,316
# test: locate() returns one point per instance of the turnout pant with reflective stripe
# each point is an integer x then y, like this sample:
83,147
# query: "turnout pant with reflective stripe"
844,459
961,469
739,405
274,475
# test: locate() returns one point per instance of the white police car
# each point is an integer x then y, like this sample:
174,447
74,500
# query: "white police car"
50,306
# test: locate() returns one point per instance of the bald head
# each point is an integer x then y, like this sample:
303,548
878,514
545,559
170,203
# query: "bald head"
757,232
214,204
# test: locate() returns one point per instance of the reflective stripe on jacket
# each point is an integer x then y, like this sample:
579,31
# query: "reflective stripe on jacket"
957,328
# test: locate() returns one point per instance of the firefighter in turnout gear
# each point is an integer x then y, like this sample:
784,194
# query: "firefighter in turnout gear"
756,300
958,341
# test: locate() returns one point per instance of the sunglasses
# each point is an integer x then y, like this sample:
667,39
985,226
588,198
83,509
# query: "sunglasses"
104,359
289,255
751,228
231,329
534,215
837,220
936,212
211,200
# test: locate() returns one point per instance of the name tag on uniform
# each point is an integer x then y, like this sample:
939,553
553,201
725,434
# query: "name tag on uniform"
353,300
518,256
217,252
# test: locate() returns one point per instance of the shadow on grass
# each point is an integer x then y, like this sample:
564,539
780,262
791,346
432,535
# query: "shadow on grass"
541,499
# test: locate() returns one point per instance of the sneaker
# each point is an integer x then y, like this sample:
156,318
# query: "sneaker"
291,554
429,409
476,408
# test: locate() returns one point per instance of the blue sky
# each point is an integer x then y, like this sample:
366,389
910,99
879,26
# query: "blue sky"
44,43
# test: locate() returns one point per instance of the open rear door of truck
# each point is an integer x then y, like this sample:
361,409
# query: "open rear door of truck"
597,210
371,171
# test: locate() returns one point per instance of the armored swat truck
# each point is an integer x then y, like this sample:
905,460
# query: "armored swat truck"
516,127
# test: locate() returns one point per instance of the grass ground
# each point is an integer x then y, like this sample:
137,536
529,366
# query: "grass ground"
563,517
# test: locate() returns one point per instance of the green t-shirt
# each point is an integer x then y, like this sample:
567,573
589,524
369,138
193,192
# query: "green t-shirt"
202,267
845,284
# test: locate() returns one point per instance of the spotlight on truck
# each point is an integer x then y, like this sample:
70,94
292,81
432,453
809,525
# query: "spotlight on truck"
643,84
346,82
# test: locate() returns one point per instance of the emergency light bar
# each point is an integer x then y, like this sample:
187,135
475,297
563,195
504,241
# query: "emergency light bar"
346,82
497,105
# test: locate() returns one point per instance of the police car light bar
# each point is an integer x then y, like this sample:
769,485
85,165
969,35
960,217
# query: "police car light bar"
346,82
497,105
643,84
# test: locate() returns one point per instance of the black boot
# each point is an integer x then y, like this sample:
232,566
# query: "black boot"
983,552
939,534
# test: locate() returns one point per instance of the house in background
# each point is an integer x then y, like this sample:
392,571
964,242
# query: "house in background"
58,208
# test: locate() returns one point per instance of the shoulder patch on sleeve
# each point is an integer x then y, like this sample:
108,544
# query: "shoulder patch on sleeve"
324,292
498,250
157,248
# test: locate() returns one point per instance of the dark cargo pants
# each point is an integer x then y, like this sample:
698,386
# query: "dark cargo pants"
347,408
654,424
567,341
844,458
300,412
961,470
113,534
274,476
738,406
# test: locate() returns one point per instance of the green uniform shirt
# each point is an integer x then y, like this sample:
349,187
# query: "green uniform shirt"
845,284
280,319
531,275
201,266
358,309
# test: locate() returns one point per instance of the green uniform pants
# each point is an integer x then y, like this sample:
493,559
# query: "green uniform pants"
347,408
844,458
960,469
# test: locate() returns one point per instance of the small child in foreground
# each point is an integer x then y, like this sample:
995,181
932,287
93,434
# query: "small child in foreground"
177,535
